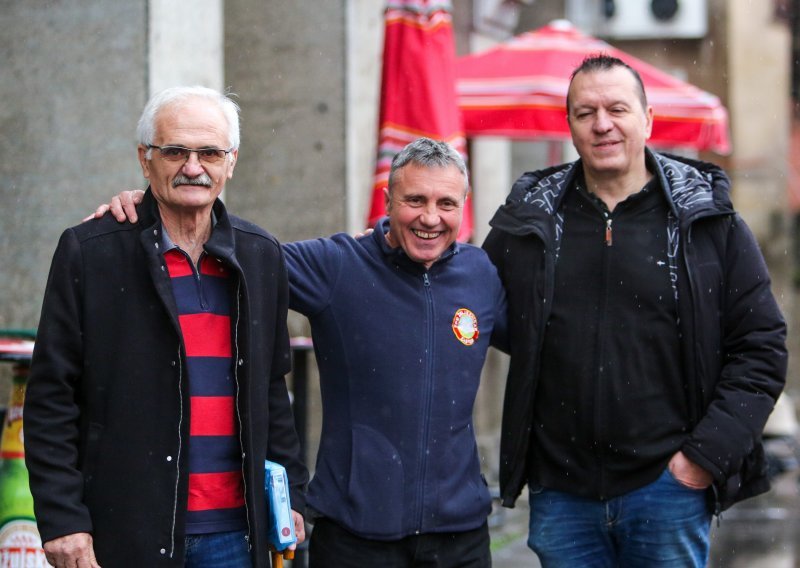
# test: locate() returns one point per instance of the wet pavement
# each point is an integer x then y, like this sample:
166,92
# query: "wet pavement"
763,532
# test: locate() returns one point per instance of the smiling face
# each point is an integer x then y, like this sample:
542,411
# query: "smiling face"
608,124
188,186
425,207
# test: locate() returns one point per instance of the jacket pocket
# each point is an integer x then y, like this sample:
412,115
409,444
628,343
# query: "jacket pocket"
377,483
463,492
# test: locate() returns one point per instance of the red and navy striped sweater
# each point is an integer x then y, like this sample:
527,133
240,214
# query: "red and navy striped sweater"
216,498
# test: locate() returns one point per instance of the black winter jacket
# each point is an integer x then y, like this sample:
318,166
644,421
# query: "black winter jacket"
107,406
732,332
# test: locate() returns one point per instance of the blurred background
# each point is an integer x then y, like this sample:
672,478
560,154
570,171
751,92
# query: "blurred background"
307,73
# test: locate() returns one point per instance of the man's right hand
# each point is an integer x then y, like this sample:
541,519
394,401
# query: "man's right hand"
71,551
122,206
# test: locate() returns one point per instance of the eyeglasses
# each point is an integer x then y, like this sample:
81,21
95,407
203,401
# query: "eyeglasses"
181,154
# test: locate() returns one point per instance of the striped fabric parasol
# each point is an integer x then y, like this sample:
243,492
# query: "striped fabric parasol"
518,90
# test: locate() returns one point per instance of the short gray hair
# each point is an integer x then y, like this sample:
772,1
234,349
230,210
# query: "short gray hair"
146,128
428,153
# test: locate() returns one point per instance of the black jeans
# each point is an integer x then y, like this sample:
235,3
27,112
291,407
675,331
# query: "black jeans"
331,546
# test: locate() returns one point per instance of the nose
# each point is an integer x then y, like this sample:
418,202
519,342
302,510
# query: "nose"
430,216
192,166
602,122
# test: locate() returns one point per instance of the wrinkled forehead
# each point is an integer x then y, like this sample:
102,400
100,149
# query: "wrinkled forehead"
193,121
415,172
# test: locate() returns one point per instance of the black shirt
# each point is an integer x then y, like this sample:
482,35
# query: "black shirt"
606,415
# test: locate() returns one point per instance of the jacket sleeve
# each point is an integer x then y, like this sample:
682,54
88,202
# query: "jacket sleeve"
283,445
52,412
493,247
314,268
754,360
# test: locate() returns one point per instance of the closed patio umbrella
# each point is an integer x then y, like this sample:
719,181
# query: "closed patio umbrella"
417,89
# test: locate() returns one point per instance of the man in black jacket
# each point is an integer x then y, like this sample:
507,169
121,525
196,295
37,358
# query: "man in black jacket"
157,385
647,349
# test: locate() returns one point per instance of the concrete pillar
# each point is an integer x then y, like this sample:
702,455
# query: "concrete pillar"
185,44
73,81
365,29
287,62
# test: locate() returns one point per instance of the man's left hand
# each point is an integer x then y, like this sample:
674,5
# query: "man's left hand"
122,206
299,527
689,473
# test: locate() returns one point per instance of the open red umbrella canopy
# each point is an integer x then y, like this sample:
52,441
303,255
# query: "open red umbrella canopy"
518,90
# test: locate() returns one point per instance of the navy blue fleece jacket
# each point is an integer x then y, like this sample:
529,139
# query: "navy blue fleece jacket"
400,351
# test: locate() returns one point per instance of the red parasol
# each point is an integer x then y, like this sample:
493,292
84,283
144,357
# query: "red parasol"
417,90
518,90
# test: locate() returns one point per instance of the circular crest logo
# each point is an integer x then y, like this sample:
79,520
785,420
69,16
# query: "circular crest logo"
465,326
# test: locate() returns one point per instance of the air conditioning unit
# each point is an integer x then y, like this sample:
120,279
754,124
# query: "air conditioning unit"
640,19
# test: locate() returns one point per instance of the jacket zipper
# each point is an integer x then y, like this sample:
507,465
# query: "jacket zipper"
600,386
178,456
426,410
238,412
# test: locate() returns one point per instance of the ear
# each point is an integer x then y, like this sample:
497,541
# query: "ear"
143,161
387,199
232,164
649,126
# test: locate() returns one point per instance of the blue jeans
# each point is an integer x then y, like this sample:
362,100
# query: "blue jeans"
663,524
218,550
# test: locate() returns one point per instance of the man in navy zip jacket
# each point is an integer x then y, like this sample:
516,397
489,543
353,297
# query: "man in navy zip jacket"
647,349
401,321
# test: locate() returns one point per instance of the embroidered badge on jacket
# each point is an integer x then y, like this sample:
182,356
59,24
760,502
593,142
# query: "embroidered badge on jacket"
465,326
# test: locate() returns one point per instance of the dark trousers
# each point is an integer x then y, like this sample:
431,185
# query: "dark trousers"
331,546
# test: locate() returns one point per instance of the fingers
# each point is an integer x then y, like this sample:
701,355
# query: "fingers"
689,473
365,233
129,204
122,207
117,209
299,527
92,559
99,212
71,551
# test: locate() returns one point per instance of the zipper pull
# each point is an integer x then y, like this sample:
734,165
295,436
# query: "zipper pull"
609,239
425,279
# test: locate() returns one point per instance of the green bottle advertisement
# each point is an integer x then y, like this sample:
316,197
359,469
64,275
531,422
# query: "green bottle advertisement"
20,544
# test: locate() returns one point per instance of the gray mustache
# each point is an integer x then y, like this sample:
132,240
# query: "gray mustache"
203,180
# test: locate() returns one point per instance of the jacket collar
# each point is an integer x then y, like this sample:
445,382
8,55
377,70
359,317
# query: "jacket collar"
692,188
221,242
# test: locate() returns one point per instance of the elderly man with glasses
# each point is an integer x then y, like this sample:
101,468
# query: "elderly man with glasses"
157,385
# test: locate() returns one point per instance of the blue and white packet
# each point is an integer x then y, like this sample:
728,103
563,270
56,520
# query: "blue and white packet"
276,484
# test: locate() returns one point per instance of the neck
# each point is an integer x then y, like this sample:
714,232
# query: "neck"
189,230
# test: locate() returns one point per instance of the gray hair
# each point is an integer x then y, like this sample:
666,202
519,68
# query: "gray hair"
146,128
428,153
